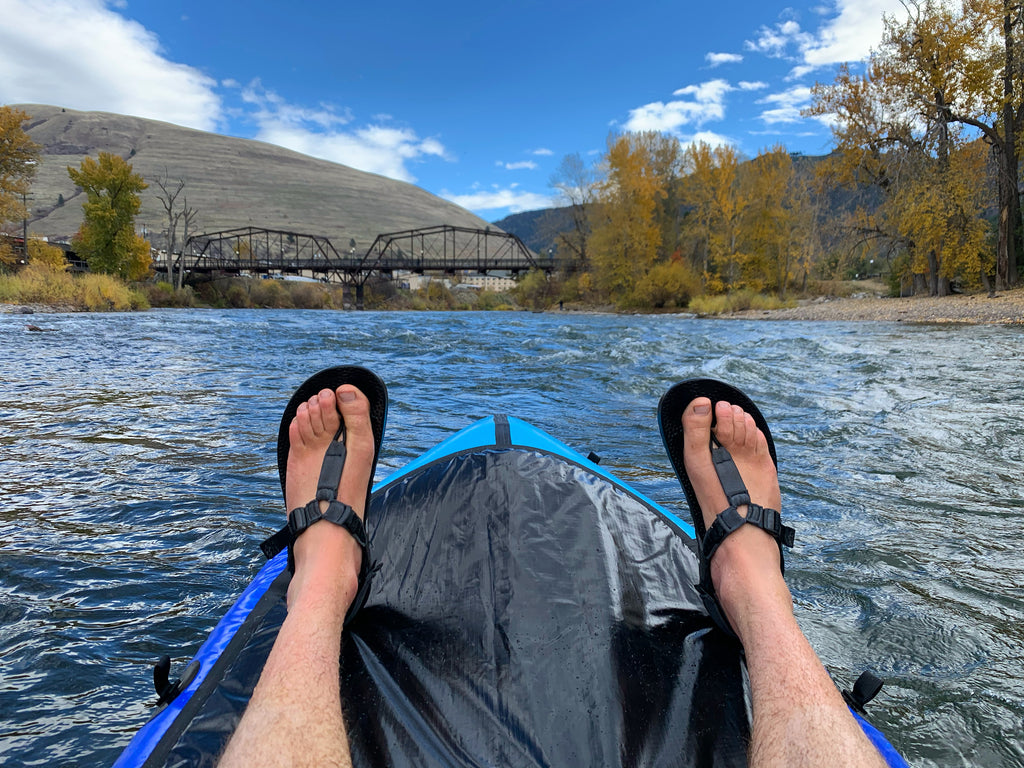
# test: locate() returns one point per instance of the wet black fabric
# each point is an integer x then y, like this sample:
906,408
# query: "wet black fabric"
527,612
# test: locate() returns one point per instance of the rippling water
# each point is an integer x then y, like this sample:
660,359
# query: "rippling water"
137,477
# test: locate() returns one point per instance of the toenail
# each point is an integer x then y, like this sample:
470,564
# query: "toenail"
702,410
348,396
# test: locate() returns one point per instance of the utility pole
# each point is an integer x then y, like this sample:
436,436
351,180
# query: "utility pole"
24,225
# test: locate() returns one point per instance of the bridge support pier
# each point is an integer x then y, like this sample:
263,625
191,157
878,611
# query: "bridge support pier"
359,295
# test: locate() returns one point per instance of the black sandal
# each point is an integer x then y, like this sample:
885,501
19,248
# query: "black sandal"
670,412
301,518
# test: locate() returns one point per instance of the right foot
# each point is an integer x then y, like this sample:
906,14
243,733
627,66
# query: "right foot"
327,558
745,569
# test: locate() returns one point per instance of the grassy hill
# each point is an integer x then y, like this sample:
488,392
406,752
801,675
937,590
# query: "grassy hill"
231,182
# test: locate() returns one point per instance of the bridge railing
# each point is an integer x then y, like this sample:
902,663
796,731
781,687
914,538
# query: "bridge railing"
442,248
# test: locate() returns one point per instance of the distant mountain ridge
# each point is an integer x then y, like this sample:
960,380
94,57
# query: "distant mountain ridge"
538,229
231,182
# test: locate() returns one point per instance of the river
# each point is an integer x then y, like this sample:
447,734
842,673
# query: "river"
137,477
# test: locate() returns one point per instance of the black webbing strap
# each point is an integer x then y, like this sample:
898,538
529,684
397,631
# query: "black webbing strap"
731,520
300,518
502,431
330,471
275,543
729,476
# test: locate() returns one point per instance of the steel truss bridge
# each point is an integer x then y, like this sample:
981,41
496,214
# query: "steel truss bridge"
443,249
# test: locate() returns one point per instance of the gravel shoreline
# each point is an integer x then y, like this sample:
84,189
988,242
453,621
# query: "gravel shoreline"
1005,308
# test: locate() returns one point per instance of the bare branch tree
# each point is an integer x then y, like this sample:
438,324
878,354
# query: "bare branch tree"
168,197
188,216
576,183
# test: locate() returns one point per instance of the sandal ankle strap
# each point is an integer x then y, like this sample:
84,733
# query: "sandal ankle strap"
730,521
300,518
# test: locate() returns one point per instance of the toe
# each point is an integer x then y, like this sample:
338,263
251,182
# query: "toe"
301,429
697,425
750,433
355,409
359,443
724,423
329,420
314,412
697,458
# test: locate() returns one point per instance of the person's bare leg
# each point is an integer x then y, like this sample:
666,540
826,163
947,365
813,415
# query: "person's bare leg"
294,716
799,716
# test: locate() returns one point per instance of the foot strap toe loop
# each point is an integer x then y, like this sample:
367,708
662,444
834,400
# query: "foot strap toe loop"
330,470
729,476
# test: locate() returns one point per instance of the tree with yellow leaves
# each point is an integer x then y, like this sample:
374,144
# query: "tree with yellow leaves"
937,215
942,76
775,219
712,190
627,233
19,157
107,239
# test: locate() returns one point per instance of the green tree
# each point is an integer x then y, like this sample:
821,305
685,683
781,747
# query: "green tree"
669,282
107,239
19,157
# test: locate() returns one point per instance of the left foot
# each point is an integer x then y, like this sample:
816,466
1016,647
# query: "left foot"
327,558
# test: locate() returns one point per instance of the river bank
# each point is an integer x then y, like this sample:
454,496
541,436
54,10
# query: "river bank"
1005,308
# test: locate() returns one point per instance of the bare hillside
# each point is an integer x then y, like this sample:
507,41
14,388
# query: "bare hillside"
231,182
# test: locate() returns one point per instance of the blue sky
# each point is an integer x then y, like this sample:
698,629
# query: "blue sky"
476,102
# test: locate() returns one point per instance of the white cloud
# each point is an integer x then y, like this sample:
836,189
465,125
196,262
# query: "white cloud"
710,91
786,105
777,40
542,152
850,35
270,107
715,59
755,85
850,28
83,55
376,148
495,199
708,137
800,71
522,165
708,103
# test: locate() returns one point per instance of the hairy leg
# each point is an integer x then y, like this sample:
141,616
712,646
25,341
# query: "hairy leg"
294,716
800,718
